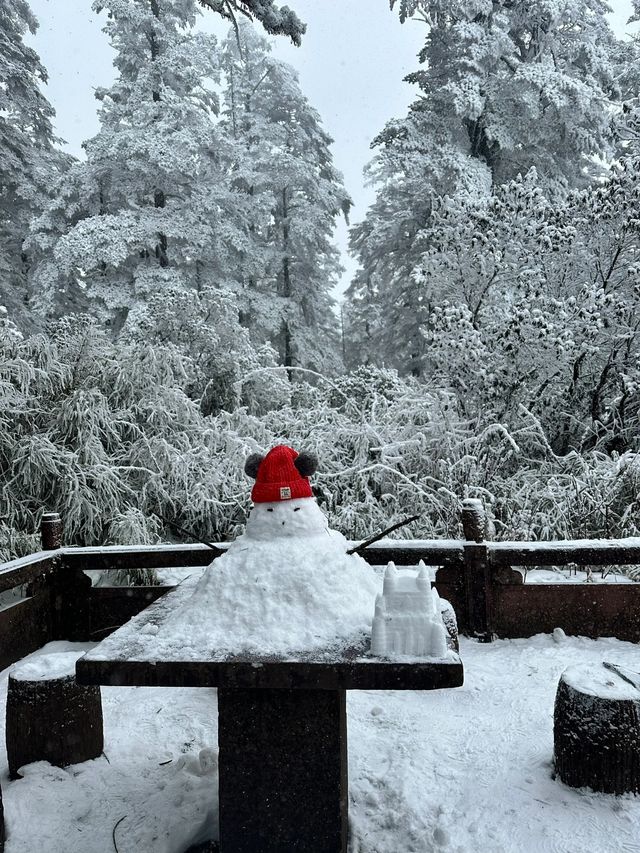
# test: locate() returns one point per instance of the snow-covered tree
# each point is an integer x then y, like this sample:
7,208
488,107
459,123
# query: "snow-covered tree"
104,433
28,160
217,354
275,20
534,307
147,210
505,87
522,84
292,197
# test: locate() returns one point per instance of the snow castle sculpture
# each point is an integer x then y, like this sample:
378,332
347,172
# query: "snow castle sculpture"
407,617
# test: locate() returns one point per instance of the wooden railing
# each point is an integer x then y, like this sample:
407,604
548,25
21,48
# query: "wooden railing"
477,576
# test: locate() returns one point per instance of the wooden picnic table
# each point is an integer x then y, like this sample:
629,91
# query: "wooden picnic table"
282,725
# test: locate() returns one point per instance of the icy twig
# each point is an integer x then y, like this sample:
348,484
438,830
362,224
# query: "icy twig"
113,834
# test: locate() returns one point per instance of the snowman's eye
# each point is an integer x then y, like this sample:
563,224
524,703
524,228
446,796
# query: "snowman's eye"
270,509
296,509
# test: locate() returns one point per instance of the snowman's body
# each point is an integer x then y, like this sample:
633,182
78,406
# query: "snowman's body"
286,585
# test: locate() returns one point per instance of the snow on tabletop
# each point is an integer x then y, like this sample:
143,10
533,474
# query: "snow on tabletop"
286,586
596,680
454,771
46,667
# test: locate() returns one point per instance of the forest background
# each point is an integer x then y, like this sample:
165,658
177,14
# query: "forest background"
168,300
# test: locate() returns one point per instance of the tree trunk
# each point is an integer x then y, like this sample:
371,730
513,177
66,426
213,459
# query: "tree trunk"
597,730
285,346
159,198
50,717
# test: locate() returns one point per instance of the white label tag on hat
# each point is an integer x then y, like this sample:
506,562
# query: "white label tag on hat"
285,493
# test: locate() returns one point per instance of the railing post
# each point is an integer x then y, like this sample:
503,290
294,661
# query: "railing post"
477,574
51,531
69,587
44,586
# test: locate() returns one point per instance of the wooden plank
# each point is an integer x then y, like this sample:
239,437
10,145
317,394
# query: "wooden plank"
478,599
402,552
264,674
27,569
410,553
24,627
113,558
582,552
111,607
116,558
130,656
590,610
435,553
452,588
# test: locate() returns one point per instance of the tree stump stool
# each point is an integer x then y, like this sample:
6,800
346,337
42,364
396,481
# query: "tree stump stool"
596,729
50,717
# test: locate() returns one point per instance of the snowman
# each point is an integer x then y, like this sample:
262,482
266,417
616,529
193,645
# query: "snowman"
287,585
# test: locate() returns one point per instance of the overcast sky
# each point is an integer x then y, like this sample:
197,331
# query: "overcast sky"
352,63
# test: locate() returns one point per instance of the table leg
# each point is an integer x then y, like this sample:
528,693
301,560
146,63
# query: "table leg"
283,771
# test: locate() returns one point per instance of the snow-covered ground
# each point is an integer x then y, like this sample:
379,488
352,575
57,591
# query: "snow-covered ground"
461,771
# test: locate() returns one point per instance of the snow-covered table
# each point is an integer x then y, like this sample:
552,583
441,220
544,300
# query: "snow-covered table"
282,725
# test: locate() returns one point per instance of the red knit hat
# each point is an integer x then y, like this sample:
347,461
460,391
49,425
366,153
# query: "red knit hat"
281,475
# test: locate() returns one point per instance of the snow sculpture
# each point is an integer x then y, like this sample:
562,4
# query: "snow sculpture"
407,618
287,585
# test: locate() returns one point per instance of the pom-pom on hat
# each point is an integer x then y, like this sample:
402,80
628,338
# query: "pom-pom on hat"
281,475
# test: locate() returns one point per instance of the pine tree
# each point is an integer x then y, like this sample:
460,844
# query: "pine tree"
292,197
505,87
146,211
28,160
527,83
275,20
